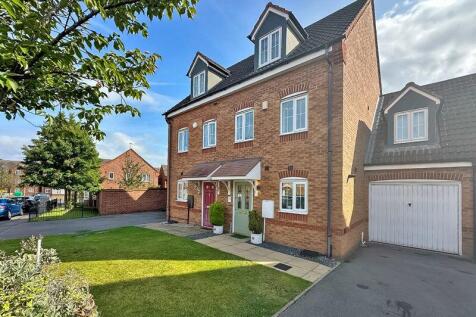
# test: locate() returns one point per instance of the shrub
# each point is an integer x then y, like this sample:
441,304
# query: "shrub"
28,289
255,222
217,213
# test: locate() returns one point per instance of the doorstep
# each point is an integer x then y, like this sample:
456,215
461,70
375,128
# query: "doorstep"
305,269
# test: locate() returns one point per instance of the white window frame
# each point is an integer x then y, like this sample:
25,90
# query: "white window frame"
146,178
409,115
109,176
206,123
185,148
294,99
242,113
294,181
182,190
200,87
268,38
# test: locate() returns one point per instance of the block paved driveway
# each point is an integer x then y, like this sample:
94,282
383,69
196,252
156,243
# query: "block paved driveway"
19,227
391,281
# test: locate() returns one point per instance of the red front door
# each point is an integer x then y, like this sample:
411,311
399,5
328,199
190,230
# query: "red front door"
208,198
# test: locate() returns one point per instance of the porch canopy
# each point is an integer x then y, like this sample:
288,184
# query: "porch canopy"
244,169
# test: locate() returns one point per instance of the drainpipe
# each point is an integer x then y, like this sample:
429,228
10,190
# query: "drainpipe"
474,210
330,84
168,169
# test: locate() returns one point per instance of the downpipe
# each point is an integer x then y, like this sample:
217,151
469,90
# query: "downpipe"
330,89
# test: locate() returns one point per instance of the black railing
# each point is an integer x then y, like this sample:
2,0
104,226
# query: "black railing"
52,210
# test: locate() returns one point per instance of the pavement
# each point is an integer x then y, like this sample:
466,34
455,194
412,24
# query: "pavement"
384,280
19,227
308,270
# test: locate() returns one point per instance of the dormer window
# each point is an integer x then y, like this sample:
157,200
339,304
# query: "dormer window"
270,47
199,84
411,126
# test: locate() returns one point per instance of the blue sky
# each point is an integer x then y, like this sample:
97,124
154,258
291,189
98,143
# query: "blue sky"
413,47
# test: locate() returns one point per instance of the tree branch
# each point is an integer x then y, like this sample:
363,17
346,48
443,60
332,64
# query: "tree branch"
74,26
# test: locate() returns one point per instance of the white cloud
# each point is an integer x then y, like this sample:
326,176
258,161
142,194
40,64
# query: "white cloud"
117,142
151,101
10,147
426,41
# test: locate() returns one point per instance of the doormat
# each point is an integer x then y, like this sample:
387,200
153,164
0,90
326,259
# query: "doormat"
239,236
282,267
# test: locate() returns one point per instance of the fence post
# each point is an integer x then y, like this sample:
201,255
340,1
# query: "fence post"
82,210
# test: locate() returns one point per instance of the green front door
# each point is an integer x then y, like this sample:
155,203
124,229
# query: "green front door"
243,205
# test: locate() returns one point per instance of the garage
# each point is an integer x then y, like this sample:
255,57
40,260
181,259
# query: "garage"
425,215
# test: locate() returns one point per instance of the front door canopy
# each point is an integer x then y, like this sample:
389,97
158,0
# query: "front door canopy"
241,169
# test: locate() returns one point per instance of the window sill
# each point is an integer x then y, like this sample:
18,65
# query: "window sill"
294,132
209,149
181,201
410,141
297,212
243,141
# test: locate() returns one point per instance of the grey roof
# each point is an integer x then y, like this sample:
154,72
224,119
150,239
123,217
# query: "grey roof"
456,127
320,34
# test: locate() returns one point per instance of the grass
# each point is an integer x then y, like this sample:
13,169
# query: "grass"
62,213
141,272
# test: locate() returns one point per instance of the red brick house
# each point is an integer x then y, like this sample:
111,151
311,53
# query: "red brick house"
420,167
112,173
287,125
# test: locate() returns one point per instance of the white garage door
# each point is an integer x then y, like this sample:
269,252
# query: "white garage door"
415,214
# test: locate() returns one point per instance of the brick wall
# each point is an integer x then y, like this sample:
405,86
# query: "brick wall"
360,94
463,175
119,201
115,166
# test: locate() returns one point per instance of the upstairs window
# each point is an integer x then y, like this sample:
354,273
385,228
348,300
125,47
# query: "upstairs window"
244,126
411,126
294,114
209,134
294,195
198,84
269,48
145,178
111,176
183,138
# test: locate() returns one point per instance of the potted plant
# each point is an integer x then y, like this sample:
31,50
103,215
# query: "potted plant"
256,227
217,216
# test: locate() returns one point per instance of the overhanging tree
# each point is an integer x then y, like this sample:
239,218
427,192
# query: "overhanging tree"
51,57
63,156
6,179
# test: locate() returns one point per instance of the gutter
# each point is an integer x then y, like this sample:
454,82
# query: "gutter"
330,89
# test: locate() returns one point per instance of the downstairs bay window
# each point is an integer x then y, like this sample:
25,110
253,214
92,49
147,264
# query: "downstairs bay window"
293,195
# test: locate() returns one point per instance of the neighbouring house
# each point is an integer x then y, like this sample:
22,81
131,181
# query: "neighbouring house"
113,199
163,170
420,167
288,124
14,168
112,171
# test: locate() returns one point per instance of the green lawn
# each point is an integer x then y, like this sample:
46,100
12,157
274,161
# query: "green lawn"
141,272
61,214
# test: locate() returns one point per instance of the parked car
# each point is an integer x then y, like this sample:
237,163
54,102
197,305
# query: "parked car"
9,208
31,206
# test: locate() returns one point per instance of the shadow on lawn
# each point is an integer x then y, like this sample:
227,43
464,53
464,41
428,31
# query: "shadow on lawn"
243,291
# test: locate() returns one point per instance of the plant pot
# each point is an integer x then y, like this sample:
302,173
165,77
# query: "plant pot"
217,229
256,238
